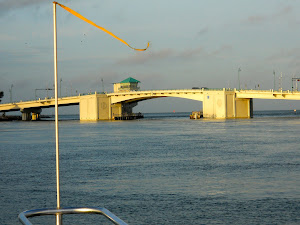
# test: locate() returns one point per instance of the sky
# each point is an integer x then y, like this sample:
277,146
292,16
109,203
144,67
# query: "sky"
193,43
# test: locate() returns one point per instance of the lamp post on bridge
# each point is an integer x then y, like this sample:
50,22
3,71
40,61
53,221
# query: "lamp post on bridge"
10,92
239,70
60,87
42,89
294,81
274,79
102,85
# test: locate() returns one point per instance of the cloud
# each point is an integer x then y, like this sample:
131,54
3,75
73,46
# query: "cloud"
258,19
189,53
6,6
107,76
6,37
9,56
221,50
25,55
295,52
143,57
285,11
289,57
170,54
202,31
10,5
164,54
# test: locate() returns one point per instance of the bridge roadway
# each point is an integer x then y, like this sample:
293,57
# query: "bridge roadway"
197,94
40,103
217,103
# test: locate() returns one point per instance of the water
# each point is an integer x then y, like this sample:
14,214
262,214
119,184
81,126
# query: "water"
163,169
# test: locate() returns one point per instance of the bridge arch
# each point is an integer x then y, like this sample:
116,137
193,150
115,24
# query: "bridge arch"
130,97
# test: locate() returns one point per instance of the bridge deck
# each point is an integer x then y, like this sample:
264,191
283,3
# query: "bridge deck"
268,94
134,96
41,103
197,94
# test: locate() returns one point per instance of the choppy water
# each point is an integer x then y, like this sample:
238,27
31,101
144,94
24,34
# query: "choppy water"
163,169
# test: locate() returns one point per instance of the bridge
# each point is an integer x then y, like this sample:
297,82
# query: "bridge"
217,103
35,107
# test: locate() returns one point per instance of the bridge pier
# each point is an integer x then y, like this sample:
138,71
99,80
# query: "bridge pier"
95,107
225,105
26,114
31,114
98,107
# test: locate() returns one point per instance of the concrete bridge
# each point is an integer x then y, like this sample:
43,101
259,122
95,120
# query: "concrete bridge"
217,103
32,109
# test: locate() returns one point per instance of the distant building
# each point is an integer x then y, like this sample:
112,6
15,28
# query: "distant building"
129,84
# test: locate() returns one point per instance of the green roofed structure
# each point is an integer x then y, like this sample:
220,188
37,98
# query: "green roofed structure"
130,80
129,84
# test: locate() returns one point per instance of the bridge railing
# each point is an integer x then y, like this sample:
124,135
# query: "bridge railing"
173,90
266,91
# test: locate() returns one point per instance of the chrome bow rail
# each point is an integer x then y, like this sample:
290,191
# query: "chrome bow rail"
23,217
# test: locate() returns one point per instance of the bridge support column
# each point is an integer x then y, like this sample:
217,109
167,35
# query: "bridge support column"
88,107
99,107
35,114
26,114
31,114
244,108
116,110
224,104
120,109
95,107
